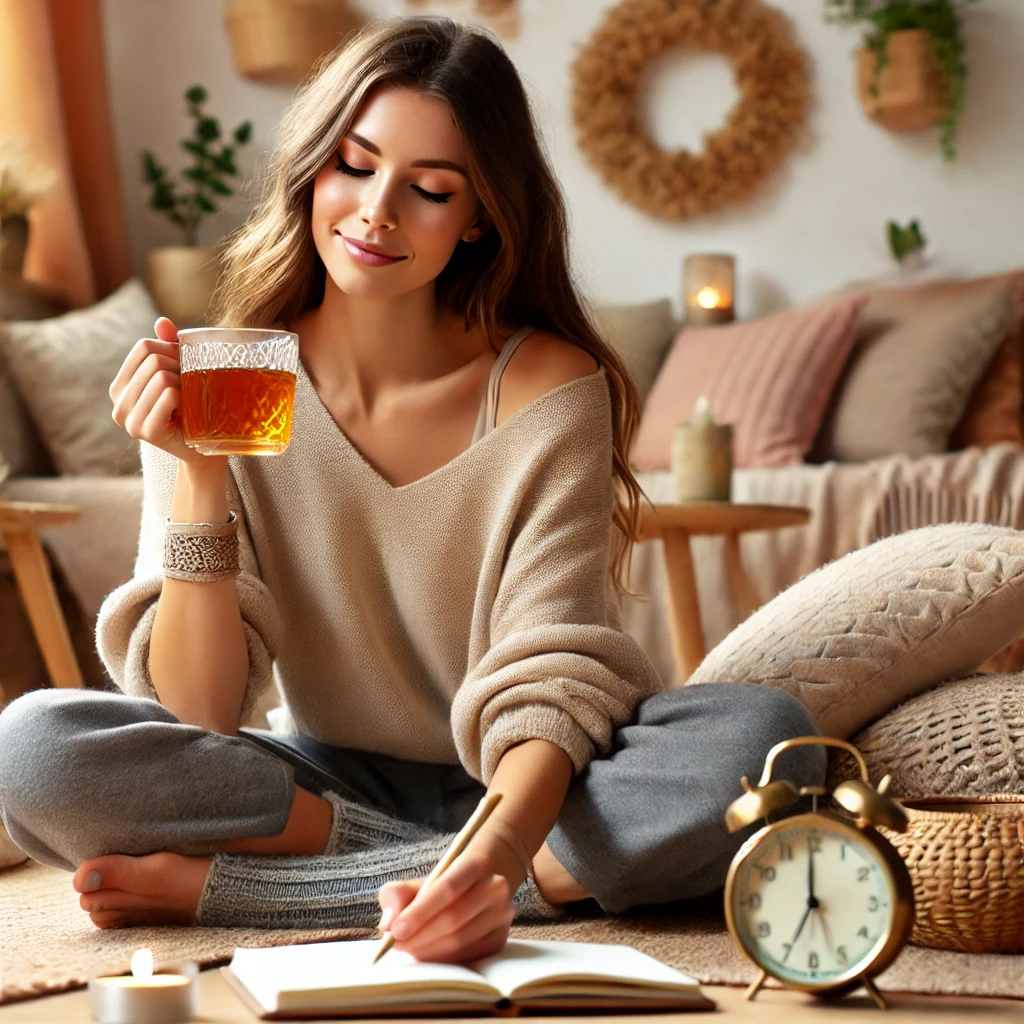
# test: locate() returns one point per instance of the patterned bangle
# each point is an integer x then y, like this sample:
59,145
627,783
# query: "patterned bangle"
512,840
201,552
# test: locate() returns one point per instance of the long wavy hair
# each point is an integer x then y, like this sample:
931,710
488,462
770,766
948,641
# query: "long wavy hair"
517,273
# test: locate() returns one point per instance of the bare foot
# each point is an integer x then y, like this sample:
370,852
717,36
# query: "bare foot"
159,888
556,885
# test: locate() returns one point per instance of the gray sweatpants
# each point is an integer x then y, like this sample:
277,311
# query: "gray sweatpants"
85,773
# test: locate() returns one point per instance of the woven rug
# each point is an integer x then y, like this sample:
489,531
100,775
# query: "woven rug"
48,944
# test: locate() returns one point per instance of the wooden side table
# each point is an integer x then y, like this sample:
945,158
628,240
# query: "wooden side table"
675,525
19,521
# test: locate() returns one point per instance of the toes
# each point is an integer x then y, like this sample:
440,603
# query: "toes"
113,900
111,872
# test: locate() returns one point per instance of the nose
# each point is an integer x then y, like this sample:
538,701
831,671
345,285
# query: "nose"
377,211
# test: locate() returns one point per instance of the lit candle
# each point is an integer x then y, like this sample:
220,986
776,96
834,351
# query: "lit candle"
709,298
144,997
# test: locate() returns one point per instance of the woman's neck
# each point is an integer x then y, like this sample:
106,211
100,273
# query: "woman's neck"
367,347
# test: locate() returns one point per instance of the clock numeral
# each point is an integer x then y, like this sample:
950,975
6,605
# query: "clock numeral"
785,851
787,947
842,852
754,901
872,903
764,929
862,874
815,843
841,954
863,933
768,874
812,961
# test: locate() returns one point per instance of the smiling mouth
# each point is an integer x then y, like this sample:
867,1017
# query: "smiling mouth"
366,257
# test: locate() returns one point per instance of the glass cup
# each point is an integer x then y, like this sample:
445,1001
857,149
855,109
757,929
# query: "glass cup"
237,389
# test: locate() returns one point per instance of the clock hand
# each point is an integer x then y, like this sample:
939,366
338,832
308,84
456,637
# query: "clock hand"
810,871
824,928
800,926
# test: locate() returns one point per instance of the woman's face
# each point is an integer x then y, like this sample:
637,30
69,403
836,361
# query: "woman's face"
398,184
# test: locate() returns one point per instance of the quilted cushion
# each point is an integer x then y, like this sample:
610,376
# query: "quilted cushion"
963,737
858,636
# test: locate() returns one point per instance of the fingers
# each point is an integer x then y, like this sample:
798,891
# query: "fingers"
396,896
482,903
464,873
151,367
141,351
165,329
492,942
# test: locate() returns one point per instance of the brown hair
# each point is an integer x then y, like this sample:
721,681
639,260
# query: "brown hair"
517,273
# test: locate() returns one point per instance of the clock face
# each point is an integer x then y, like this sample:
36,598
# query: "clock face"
812,903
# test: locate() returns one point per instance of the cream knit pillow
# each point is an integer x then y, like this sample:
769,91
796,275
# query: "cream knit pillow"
961,738
858,636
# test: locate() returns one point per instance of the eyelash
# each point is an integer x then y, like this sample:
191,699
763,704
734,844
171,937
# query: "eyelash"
433,197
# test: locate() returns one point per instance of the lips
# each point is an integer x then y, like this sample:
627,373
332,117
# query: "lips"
367,254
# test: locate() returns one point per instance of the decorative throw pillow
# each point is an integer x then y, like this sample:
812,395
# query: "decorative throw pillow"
964,737
770,378
857,636
994,411
920,353
640,334
63,368
19,440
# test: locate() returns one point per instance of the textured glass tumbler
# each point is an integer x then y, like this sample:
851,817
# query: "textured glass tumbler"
237,389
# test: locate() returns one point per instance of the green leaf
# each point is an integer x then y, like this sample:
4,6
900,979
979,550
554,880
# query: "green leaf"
197,94
151,171
243,133
219,187
199,148
194,174
205,204
208,129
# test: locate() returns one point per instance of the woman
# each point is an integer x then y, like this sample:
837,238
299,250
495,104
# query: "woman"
431,570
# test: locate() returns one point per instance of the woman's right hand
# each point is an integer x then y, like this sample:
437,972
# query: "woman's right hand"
147,395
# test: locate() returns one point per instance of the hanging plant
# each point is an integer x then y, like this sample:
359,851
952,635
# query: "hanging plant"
940,21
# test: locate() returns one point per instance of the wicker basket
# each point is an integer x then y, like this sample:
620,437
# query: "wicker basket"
281,40
966,859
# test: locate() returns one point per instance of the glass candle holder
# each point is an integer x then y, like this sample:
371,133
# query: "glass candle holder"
709,285
167,997
237,389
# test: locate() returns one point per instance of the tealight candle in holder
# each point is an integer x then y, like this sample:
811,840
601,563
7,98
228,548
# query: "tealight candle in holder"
142,997
702,457
709,284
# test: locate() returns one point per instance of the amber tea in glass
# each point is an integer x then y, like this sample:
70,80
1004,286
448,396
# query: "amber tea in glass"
237,389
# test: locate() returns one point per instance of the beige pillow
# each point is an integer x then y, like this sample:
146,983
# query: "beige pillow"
641,334
919,354
24,453
964,737
63,368
858,636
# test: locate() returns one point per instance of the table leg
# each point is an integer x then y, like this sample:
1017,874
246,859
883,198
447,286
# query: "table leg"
32,575
747,598
687,633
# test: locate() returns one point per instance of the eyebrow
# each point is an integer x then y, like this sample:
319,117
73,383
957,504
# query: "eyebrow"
448,165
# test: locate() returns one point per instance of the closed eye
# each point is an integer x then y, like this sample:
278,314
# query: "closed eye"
433,197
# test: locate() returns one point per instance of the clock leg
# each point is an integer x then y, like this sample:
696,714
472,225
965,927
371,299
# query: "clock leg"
875,994
752,991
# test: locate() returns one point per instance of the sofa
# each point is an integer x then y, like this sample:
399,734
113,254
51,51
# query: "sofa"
853,501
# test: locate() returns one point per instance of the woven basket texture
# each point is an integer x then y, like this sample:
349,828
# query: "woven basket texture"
956,757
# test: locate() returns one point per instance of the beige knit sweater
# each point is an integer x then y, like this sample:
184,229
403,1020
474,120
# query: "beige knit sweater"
444,620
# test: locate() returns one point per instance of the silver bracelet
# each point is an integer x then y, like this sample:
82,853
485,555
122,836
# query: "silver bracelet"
201,552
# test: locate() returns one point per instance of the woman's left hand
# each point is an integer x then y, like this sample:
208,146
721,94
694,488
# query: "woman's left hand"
464,915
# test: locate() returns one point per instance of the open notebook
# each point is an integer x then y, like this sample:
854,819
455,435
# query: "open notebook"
337,979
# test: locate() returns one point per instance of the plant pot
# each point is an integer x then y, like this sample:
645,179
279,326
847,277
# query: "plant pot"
281,40
909,93
181,279
13,243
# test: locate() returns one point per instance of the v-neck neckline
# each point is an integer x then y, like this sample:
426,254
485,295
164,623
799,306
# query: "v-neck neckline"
303,380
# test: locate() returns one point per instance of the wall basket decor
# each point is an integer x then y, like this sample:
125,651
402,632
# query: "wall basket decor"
771,76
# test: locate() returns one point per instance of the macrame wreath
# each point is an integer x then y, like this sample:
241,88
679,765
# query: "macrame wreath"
762,127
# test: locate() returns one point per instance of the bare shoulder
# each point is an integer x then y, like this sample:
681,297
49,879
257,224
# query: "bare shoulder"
542,362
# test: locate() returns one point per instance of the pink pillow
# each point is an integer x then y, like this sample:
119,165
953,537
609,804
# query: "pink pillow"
770,378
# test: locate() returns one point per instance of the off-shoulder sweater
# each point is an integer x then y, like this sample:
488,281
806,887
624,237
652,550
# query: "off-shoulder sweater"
443,620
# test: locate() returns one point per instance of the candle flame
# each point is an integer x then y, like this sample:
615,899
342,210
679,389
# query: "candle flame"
709,298
142,964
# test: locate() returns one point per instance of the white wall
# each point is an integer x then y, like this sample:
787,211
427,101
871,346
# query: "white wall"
818,224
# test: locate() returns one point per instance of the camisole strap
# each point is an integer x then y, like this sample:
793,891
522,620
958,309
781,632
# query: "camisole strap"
489,406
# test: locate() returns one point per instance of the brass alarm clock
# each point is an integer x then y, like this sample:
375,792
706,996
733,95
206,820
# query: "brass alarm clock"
819,902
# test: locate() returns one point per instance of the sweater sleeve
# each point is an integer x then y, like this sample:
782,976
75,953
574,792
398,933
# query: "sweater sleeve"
125,622
558,667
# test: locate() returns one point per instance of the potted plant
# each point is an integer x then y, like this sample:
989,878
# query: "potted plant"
181,278
911,68
23,182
